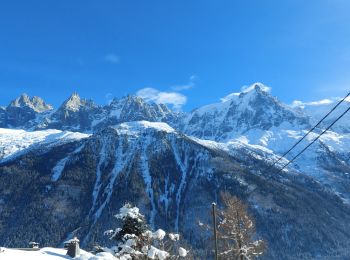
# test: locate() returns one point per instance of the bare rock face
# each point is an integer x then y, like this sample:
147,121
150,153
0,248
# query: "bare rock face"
75,114
24,109
3,116
133,108
78,114
35,103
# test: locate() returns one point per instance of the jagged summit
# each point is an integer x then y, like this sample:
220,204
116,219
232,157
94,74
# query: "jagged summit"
252,108
255,88
75,113
134,108
22,110
35,103
22,100
74,103
258,87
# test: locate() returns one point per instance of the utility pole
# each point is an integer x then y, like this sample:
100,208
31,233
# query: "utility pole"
215,235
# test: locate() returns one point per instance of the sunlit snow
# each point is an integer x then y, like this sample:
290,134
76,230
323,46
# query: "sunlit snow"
15,142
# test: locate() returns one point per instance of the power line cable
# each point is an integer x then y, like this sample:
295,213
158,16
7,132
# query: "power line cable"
313,128
296,156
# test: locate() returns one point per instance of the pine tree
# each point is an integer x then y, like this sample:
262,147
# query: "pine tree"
136,241
133,223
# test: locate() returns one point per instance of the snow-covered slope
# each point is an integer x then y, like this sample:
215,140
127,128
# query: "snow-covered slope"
16,142
49,253
258,120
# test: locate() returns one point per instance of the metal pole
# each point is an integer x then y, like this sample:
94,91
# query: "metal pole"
215,235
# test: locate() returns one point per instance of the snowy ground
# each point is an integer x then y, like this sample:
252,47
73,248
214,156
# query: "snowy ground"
14,142
49,253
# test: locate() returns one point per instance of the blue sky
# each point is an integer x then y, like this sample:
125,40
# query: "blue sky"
188,52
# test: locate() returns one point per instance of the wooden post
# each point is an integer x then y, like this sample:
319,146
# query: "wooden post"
215,235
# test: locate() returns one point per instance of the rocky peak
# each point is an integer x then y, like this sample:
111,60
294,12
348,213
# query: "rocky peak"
258,100
22,100
127,101
258,87
73,103
255,91
134,108
133,99
252,108
35,103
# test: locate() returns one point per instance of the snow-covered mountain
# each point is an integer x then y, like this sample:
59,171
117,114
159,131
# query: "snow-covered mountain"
78,114
253,108
74,114
255,117
171,177
172,166
237,113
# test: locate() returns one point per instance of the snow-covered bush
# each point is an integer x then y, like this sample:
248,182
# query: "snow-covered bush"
136,241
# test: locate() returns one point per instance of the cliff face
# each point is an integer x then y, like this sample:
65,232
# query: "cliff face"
173,179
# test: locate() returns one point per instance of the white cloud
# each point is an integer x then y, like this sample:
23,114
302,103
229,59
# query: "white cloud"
148,94
112,58
191,83
177,100
326,101
297,103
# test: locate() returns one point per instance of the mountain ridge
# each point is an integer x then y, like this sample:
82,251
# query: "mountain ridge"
173,165
244,109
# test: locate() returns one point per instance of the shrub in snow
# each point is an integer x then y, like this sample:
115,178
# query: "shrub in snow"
136,241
